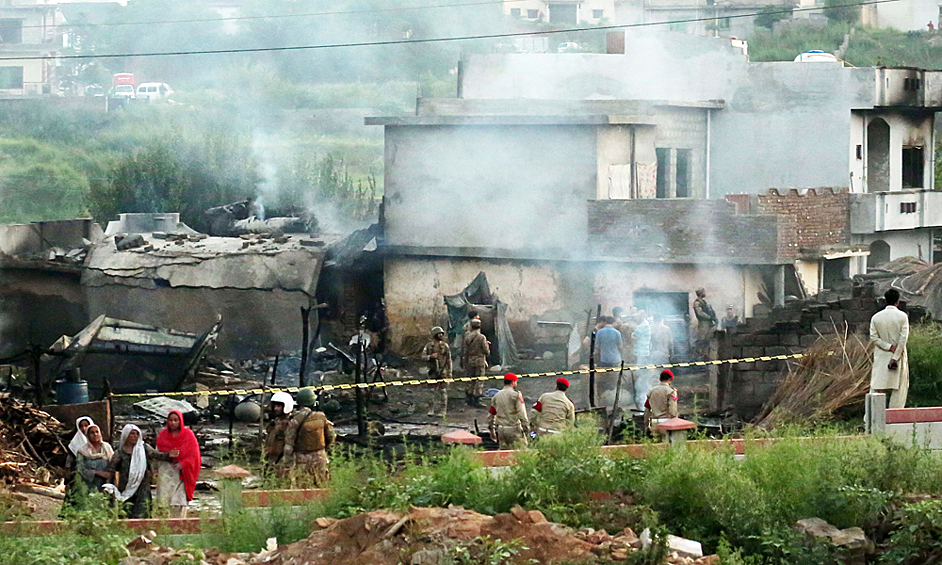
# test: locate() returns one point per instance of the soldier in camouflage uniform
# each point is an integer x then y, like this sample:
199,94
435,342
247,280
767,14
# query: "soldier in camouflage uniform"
307,438
476,350
438,356
281,405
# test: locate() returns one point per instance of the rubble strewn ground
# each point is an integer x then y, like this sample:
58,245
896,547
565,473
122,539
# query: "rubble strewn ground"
30,447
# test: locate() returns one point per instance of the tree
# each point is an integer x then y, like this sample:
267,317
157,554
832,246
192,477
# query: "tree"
843,11
771,14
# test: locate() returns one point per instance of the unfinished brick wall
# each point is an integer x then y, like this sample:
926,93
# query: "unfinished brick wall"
822,215
746,386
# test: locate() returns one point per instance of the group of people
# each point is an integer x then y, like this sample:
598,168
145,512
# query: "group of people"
650,339
474,350
299,438
125,470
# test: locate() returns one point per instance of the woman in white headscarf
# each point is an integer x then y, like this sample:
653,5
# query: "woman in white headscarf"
130,461
92,460
78,442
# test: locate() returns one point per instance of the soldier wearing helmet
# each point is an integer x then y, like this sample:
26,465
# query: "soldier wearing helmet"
437,354
307,438
280,405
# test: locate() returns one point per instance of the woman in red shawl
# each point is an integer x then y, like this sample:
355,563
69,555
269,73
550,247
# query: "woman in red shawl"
176,481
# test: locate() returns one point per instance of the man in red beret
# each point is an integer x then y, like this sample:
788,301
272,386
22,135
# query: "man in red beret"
661,404
507,417
554,412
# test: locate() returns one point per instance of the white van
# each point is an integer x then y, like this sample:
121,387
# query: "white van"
124,91
154,90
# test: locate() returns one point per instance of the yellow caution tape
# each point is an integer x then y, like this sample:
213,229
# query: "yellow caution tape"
413,382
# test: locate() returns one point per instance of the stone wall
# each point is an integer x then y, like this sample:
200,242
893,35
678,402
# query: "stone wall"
745,387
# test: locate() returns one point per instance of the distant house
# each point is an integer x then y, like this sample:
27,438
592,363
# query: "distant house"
561,12
29,31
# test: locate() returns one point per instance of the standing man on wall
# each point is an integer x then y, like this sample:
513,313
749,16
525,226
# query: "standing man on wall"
307,438
438,356
554,412
889,331
706,321
476,350
507,417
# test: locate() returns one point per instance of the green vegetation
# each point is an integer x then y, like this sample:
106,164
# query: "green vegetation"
925,365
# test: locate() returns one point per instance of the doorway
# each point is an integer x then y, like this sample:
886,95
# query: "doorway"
878,156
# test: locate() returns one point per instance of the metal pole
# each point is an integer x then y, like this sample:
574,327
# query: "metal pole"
305,334
357,377
611,424
37,351
274,370
592,370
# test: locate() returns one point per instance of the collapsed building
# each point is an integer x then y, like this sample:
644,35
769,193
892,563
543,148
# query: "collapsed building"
634,177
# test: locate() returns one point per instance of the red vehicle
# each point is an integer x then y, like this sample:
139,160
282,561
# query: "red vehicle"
123,85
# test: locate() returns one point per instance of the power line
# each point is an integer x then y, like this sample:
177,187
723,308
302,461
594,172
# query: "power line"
277,16
436,39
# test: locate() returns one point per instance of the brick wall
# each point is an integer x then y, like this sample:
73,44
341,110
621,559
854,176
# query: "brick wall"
822,215
685,230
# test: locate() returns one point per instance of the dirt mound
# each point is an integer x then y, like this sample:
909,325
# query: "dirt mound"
383,537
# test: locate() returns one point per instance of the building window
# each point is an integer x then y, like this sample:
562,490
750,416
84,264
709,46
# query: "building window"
11,78
515,12
683,173
663,168
907,207
678,26
859,152
598,14
11,31
533,14
912,167
724,23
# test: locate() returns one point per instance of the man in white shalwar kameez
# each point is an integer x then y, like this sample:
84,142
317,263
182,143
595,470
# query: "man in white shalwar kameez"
889,331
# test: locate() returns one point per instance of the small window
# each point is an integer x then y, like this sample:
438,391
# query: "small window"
11,31
11,78
724,23
913,162
663,168
598,14
907,207
515,12
683,173
533,14
859,152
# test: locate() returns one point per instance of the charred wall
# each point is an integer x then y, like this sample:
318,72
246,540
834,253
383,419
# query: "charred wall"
255,323
38,306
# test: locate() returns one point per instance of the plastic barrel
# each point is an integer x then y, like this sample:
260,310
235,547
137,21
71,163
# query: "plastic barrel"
68,392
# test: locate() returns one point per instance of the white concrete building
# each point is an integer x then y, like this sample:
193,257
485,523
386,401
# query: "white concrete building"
562,12
29,30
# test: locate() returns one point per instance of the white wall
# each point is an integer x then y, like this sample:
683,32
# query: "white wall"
904,243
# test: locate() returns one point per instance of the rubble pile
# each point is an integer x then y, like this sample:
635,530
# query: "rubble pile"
30,447
383,537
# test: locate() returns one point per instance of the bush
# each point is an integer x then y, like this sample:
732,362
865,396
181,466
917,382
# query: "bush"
925,365
917,538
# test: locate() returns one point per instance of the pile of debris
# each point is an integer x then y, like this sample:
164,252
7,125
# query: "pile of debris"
832,375
30,447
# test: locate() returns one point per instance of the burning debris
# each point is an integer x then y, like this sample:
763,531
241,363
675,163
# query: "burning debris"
30,447
248,217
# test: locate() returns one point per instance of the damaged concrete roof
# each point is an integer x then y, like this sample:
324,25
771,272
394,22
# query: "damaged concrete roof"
211,262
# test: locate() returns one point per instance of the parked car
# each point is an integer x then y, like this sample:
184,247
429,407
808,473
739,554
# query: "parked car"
124,91
94,90
570,47
154,90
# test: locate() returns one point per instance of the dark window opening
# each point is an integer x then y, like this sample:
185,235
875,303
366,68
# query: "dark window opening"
879,254
907,207
912,167
11,31
674,308
683,173
598,14
836,271
859,152
11,78
564,14
533,14
663,166
515,12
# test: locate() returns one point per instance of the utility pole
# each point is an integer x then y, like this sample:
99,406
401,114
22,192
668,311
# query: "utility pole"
357,378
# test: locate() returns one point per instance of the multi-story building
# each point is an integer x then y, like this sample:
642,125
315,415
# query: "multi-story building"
28,29
575,178
562,12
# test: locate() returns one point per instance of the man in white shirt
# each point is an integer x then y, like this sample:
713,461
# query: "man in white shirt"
889,330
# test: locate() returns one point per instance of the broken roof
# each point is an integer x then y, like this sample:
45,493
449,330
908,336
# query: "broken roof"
209,262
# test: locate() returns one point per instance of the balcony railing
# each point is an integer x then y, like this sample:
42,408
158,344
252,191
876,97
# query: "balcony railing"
897,210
